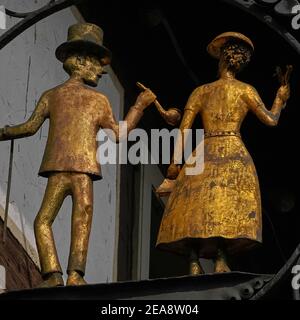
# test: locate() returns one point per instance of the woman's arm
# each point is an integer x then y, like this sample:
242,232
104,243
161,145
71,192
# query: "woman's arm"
256,105
190,111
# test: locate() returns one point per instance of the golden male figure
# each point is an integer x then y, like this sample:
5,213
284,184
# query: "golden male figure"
76,113
218,212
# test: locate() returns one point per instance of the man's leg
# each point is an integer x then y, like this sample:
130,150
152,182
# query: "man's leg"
82,192
56,191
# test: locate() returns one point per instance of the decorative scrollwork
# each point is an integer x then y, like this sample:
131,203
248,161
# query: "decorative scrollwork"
30,18
22,15
281,7
252,7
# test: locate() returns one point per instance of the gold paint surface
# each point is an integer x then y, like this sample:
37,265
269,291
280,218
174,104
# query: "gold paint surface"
224,201
60,185
76,113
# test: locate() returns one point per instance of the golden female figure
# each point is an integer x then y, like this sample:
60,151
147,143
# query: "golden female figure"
218,212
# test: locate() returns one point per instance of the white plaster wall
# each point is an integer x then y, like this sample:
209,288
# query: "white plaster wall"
28,67
2,278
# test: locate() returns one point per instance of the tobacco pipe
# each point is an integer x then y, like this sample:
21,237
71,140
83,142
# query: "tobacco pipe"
172,116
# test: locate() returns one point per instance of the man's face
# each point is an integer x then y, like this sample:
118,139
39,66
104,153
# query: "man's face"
91,70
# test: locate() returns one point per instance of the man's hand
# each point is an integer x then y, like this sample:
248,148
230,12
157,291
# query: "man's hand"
145,98
2,134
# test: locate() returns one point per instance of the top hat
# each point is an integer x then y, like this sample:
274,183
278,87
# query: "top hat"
84,37
214,48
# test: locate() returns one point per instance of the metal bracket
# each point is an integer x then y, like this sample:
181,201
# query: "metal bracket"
252,8
30,18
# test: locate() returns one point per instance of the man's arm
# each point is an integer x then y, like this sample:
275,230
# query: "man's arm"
132,118
31,126
256,105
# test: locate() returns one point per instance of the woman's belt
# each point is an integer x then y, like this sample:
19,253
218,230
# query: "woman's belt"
221,133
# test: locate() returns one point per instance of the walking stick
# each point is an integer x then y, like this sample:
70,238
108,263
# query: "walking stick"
11,158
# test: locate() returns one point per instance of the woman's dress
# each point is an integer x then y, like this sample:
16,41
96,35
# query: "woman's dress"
223,202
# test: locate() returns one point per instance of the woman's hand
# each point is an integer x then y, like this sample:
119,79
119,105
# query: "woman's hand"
166,188
284,93
173,171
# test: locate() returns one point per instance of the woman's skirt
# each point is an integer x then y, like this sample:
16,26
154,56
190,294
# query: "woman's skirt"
219,207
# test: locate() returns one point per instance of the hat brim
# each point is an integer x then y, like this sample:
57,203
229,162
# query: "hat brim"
79,46
214,48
